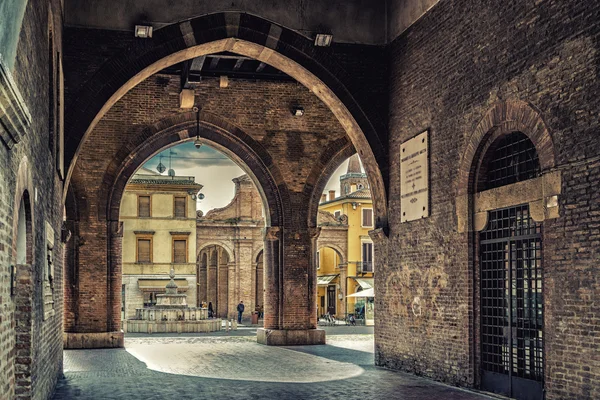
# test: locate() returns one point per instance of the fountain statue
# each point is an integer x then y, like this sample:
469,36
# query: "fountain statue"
172,314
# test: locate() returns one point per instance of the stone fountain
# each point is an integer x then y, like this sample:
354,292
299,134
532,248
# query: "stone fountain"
171,314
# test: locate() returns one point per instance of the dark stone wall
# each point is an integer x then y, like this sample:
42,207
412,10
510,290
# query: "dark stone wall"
446,72
42,347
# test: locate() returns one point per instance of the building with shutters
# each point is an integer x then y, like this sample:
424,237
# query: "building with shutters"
158,214
345,271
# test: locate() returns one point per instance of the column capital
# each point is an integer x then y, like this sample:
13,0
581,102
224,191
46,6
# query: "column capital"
272,233
314,232
378,235
116,228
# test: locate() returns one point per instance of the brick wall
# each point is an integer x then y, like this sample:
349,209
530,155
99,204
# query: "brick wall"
446,72
44,186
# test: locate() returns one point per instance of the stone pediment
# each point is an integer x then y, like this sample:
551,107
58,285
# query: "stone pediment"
325,218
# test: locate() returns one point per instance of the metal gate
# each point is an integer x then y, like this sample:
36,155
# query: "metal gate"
512,354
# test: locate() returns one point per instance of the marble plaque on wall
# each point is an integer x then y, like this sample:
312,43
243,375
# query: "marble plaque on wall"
414,178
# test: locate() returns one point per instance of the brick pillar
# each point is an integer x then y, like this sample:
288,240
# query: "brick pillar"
272,277
380,255
344,285
98,271
24,330
202,282
70,277
232,294
313,234
244,279
290,289
115,275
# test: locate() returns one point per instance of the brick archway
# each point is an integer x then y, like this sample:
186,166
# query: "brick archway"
330,160
504,117
23,281
246,35
225,246
216,131
340,252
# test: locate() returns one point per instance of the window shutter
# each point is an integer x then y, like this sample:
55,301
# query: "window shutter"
179,251
143,250
180,207
367,217
143,206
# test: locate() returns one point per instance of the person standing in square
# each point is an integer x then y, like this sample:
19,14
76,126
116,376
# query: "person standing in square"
240,309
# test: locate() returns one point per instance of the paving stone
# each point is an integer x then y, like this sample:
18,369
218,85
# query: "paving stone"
236,367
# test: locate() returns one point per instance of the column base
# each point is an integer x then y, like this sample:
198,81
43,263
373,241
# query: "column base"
290,337
93,340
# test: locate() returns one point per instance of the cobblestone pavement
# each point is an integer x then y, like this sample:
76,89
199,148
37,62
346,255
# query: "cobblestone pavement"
236,367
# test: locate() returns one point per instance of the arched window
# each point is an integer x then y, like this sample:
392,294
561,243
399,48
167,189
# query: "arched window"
510,276
511,158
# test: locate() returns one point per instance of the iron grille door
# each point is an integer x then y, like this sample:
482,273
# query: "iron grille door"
511,304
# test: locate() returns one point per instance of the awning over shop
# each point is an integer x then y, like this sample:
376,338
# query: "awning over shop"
364,293
365,283
160,284
324,280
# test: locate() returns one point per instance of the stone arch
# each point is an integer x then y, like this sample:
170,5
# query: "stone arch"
330,160
246,35
228,249
23,273
335,248
504,117
219,133
257,254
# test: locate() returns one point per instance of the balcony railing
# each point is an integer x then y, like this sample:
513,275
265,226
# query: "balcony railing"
363,267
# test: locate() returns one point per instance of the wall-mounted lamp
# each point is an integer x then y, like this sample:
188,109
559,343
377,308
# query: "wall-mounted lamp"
354,205
323,39
143,31
297,111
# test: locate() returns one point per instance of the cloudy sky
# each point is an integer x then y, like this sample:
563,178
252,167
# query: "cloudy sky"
214,170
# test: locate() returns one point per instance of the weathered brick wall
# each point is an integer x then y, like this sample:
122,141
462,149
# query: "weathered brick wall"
31,76
446,71
261,109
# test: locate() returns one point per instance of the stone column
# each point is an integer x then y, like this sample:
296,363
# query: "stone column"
244,279
232,293
272,277
290,316
343,267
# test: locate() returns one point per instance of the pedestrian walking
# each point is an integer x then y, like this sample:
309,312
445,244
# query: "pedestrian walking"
210,310
240,309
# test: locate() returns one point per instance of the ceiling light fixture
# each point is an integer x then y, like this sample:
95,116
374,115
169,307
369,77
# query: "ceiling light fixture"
297,111
143,31
197,142
323,39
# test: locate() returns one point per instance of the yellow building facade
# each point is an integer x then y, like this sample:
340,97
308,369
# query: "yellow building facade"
346,269
159,233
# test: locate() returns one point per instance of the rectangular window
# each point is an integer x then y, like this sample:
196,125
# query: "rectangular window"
144,250
179,206
143,206
367,257
179,251
367,217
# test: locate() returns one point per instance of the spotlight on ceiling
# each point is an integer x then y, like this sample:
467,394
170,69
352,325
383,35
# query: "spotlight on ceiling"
323,39
297,111
143,31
